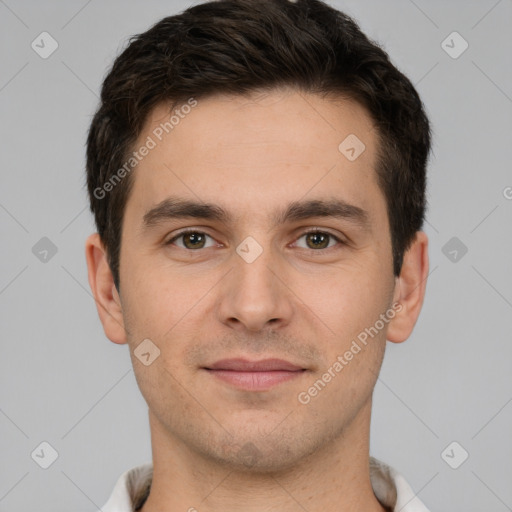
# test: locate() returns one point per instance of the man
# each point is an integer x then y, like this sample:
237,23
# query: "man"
256,170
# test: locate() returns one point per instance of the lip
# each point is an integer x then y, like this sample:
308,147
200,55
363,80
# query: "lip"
254,375
244,365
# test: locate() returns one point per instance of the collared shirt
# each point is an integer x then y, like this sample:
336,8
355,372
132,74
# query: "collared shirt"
389,487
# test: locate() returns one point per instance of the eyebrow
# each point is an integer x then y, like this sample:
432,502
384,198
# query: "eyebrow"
178,208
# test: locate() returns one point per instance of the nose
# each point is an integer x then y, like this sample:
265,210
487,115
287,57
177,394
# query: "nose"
254,295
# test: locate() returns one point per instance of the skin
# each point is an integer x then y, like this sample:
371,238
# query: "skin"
215,446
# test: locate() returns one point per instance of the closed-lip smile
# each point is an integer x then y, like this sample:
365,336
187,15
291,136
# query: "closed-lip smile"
254,375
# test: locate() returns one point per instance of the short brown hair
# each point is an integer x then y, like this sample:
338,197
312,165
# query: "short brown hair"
240,46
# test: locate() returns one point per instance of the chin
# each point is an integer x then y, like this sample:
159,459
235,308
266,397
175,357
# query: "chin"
258,453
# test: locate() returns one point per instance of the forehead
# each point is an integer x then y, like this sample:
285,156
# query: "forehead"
247,153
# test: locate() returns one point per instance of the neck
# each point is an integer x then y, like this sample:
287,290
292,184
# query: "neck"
335,478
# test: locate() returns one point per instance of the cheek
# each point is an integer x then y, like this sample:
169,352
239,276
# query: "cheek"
355,301
337,392
154,299
174,311
348,298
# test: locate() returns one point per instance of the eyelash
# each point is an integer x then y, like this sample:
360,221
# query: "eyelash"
313,231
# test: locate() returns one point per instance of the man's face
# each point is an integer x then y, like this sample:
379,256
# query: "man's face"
211,296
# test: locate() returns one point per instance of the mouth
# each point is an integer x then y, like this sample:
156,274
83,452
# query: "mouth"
254,375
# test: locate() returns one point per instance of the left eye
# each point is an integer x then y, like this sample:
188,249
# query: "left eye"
319,240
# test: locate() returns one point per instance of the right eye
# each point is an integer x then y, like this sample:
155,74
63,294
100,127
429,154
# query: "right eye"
192,240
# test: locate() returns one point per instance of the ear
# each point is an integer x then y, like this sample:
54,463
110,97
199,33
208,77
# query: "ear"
104,291
410,289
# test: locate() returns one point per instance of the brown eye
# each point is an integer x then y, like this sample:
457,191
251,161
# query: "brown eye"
191,240
319,240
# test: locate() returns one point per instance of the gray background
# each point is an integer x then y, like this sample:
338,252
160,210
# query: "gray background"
63,382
